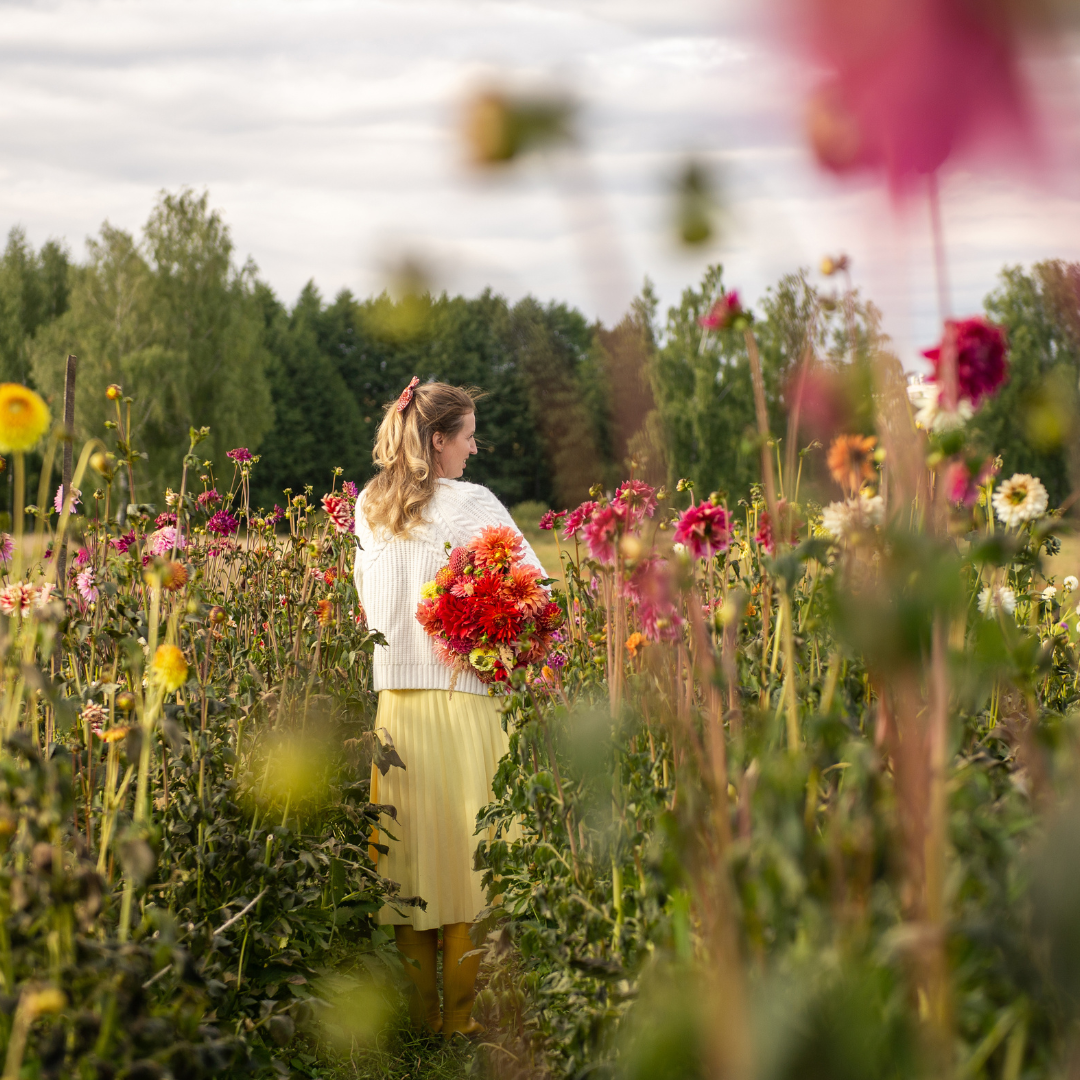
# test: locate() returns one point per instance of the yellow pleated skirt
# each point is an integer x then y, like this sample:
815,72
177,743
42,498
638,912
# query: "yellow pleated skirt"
451,747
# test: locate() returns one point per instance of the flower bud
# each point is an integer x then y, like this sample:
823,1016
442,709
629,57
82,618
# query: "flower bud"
114,392
125,701
217,616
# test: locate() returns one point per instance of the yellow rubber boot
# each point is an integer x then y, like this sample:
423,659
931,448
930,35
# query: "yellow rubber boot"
459,981
421,946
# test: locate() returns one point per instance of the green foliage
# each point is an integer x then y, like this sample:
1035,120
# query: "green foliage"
1031,422
176,324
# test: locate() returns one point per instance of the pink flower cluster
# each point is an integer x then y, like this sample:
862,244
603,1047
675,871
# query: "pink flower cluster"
241,455
209,498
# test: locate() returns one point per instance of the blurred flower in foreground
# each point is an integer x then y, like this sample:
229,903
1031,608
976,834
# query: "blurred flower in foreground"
981,367
24,418
851,460
603,531
1049,593
1070,583
925,398
842,519
963,479
910,81
695,204
499,126
995,598
7,547
169,668
1020,498
765,537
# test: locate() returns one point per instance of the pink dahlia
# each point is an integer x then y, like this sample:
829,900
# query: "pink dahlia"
86,585
649,588
82,557
339,511
604,529
551,519
208,498
240,455
981,366
724,313
162,541
638,497
165,519
704,529
963,480
7,547
223,524
350,491
58,503
578,519
123,542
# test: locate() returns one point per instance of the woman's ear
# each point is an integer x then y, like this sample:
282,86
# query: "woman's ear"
438,440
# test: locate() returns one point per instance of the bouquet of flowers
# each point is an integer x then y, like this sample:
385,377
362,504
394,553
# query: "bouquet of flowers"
488,611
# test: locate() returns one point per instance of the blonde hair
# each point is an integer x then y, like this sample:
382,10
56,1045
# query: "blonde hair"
397,496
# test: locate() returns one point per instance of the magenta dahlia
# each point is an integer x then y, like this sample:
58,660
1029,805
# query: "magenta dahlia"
981,364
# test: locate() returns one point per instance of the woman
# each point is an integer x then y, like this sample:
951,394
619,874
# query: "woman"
450,745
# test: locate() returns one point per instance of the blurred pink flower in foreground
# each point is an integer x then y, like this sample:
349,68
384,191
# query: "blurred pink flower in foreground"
963,480
603,530
911,81
724,314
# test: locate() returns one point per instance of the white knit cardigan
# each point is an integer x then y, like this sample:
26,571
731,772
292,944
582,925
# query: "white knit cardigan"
389,574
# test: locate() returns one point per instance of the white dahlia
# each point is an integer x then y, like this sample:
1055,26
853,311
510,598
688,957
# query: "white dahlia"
1049,593
1070,583
997,598
1020,498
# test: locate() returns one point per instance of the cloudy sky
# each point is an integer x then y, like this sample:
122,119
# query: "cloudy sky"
325,131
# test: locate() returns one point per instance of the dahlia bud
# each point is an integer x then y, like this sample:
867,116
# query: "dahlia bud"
125,701
114,392
217,616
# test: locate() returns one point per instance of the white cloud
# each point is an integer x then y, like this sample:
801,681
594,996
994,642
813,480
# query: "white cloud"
325,132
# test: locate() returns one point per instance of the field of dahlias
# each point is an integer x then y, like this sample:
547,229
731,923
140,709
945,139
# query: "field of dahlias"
793,785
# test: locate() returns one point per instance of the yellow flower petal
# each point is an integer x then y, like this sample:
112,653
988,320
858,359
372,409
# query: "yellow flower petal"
24,418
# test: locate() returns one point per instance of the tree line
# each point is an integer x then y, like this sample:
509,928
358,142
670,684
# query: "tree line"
197,338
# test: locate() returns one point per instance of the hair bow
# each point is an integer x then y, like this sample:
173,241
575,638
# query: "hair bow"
407,394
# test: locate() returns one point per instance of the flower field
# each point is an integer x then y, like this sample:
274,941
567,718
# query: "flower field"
794,783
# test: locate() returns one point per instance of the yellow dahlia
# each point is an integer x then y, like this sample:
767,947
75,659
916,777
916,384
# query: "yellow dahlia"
169,667
24,418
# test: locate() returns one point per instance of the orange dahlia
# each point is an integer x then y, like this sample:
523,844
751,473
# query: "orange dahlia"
851,460
524,587
496,546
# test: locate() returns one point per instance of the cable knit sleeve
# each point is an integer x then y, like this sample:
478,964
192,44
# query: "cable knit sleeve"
469,508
